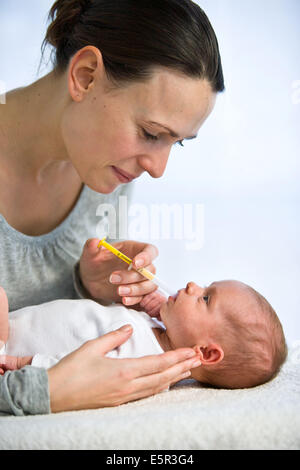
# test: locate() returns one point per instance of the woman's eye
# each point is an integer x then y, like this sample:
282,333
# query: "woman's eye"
155,138
206,298
149,136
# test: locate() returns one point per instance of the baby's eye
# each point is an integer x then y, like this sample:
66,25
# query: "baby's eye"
206,298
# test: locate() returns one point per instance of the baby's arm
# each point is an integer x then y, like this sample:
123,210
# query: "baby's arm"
38,360
152,303
13,362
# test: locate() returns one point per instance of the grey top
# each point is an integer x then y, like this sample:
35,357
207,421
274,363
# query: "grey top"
39,269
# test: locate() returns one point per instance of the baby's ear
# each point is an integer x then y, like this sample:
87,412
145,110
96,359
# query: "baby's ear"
211,354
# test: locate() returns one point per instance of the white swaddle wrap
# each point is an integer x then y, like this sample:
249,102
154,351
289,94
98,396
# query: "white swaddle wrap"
54,329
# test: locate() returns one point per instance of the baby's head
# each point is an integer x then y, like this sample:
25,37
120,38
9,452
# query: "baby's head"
237,333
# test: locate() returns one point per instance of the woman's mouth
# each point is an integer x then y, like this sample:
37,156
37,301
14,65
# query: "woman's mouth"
122,175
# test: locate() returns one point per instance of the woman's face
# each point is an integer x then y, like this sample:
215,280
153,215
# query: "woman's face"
105,133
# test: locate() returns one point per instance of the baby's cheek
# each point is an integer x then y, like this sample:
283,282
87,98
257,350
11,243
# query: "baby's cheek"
189,336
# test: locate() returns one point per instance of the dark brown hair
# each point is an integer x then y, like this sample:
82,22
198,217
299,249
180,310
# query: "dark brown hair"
135,36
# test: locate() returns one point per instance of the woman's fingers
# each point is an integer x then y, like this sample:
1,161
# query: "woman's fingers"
171,363
110,341
136,290
143,260
133,293
161,387
152,384
128,301
184,376
129,277
146,257
132,285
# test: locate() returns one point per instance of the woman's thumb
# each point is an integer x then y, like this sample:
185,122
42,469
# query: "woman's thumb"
114,339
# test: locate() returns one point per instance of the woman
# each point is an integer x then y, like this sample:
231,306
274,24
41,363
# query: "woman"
130,80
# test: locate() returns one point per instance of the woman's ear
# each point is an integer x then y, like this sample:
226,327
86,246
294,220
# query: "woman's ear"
211,354
83,69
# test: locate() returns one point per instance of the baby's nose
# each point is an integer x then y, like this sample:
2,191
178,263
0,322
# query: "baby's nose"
191,287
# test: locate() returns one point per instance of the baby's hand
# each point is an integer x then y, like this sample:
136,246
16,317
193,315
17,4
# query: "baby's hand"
13,362
152,303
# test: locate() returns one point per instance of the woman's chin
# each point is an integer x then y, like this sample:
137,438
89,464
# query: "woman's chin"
102,187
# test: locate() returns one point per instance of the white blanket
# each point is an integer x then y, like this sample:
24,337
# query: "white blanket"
187,417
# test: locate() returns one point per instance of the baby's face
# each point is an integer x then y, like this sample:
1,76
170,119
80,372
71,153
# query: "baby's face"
193,317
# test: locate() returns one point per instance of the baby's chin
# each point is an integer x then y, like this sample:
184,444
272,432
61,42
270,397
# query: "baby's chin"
164,311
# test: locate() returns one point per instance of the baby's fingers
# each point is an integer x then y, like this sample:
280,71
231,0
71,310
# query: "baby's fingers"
8,362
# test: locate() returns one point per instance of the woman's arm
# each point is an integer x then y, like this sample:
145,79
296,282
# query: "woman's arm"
87,379
24,392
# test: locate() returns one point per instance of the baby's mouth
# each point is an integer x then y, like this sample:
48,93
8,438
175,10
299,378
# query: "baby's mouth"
172,298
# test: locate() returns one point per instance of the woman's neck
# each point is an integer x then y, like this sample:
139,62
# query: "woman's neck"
30,141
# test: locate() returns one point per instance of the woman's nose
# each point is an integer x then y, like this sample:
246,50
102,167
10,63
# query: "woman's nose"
155,164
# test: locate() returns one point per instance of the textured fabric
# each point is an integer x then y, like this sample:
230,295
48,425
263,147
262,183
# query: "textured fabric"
59,327
35,270
187,417
24,391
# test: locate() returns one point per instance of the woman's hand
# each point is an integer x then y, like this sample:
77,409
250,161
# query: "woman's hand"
105,276
13,362
86,379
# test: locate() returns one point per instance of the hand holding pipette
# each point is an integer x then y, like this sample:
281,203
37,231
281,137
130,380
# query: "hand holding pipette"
143,271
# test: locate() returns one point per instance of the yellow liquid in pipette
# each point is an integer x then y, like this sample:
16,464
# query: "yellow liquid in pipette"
144,272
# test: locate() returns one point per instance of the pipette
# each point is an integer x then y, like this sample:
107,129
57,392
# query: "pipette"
143,271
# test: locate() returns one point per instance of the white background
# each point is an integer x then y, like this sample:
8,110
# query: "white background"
244,166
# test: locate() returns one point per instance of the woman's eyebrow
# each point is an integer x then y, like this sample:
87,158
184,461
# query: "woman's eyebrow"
172,133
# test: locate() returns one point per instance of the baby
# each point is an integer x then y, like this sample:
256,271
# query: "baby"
235,331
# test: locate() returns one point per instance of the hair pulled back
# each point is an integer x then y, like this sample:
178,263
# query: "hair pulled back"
135,36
